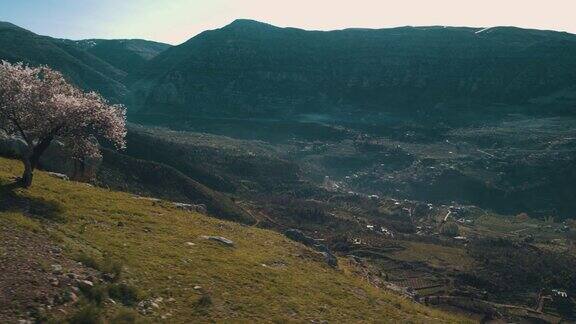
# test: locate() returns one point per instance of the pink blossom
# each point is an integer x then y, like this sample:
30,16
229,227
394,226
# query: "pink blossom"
38,105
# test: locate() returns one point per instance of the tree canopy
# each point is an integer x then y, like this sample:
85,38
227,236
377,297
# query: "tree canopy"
38,106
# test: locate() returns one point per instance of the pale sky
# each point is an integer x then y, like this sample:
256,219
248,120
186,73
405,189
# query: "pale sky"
175,21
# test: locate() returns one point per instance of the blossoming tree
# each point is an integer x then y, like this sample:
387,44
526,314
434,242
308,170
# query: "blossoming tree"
38,106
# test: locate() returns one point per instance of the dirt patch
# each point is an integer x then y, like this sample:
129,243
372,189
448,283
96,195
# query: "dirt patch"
36,280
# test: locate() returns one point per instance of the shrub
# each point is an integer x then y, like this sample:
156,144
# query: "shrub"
125,316
111,267
87,260
449,229
204,301
107,265
89,314
123,293
95,294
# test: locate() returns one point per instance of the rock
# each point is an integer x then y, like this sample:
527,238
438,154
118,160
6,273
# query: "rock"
147,198
58,176
85,284
56,158
330,259
220,239
108,277
189,243
299,236
275,265
56,269
146,306
11,146
321,248
183,206
197,287
72,297
201,208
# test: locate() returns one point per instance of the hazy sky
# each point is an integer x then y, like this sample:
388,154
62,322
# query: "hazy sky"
174,21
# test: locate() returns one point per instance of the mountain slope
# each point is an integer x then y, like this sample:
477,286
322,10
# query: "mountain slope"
180,276
100,65
253,69
143,177
128,55
82,68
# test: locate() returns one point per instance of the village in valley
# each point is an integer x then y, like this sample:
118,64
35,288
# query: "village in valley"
428,263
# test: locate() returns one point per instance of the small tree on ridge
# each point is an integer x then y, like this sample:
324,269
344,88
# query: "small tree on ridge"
38,106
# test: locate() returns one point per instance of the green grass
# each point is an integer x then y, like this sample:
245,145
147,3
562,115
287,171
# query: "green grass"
149,240
434,255
494,225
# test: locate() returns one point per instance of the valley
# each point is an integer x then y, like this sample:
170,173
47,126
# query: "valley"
435,165
386,200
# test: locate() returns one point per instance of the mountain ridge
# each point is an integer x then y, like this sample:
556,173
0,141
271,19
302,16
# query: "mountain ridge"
89,70
249,68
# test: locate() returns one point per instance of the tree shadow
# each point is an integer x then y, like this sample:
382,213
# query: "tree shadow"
11,200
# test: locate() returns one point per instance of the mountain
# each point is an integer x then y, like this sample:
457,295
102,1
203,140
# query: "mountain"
82,68
252,69
402,152
128,55
99,65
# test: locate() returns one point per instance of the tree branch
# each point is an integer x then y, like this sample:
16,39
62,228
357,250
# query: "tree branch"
21,131
5,129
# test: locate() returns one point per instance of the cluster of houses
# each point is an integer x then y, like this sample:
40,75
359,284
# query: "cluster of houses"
381,230
552,298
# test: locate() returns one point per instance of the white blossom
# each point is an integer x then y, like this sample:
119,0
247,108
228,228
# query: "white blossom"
38,105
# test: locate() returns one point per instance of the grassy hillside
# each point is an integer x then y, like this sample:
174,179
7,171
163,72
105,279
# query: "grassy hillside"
159,258
148,178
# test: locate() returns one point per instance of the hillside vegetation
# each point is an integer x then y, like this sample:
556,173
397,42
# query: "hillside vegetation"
98,65
252,69
150,256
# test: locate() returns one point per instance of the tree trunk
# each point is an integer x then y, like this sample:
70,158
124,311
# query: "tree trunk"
38,150
31,159
26,180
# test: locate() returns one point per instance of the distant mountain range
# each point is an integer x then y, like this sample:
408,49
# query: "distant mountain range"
252,69
100,65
